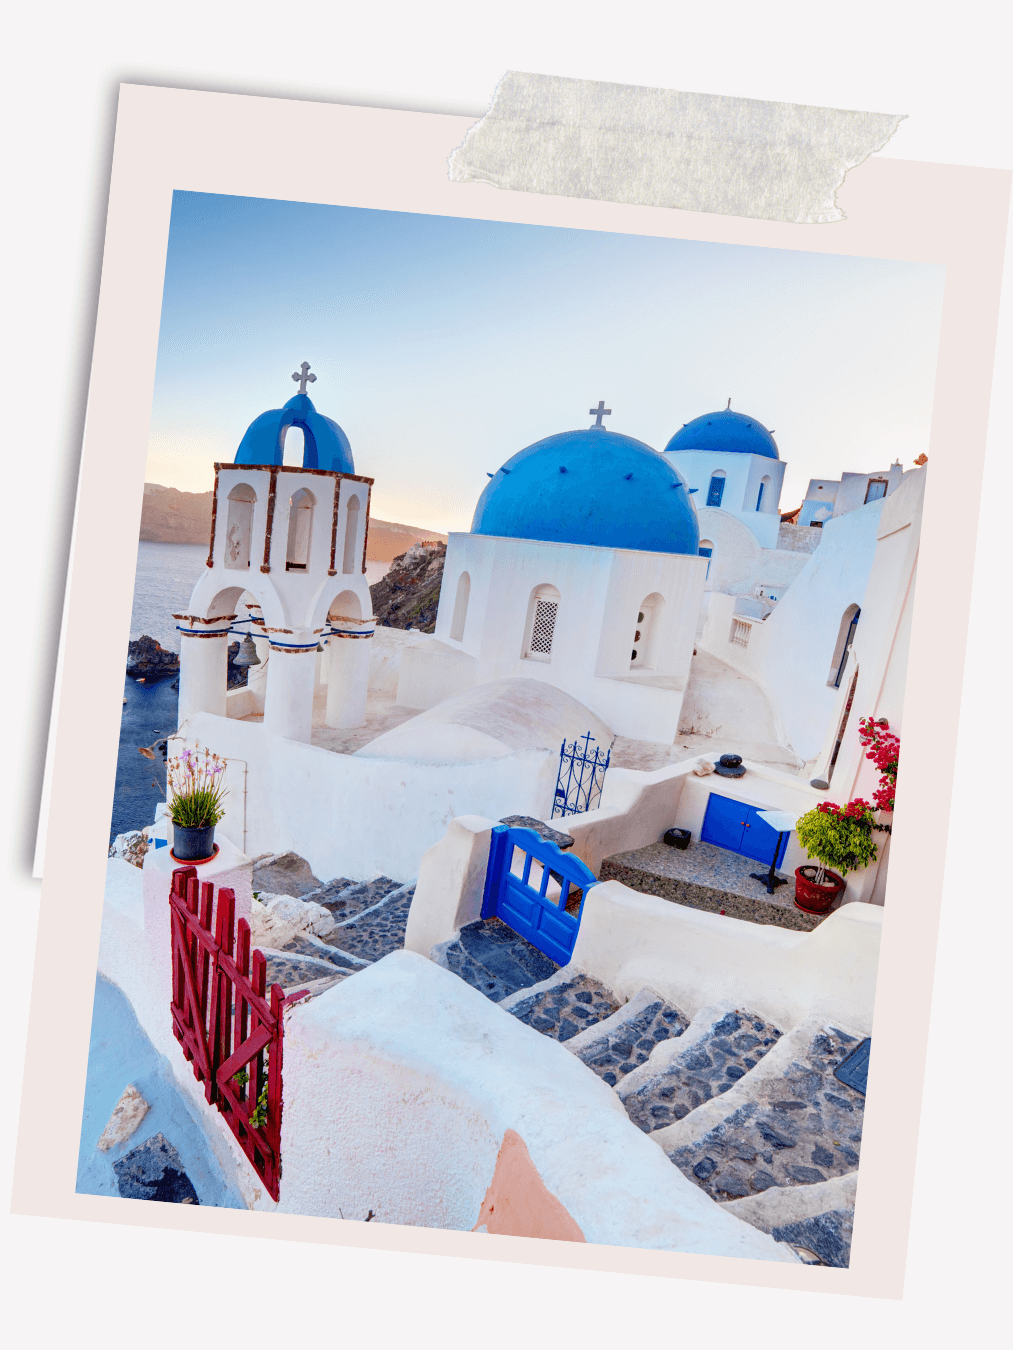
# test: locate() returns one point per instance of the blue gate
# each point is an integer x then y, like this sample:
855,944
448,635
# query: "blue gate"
535,907
580,778
737,827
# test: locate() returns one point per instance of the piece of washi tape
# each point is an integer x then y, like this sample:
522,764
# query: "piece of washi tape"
660,147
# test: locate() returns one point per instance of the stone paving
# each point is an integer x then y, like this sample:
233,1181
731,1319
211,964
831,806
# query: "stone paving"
493,959
376,931
732,1045
567,1008
828,1235
799,1127
627,1042
345,899
709,878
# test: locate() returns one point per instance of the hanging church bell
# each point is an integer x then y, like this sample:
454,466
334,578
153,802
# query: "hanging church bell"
247,654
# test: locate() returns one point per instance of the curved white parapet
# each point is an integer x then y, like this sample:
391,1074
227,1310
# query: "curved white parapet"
409,1094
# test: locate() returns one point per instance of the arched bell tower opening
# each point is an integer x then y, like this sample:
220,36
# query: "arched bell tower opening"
239,526
351,536
300,530
349,643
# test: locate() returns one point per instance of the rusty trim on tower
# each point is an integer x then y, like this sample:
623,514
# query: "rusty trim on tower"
365,532
271,493
214,521
332,570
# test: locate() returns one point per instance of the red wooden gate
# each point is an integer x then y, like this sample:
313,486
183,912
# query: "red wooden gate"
229,1031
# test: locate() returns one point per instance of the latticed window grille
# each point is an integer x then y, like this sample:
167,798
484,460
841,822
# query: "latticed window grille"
543,626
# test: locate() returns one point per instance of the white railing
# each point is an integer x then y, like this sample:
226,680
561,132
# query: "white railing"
740,632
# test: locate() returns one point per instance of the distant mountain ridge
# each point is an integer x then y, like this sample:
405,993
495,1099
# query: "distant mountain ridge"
169,516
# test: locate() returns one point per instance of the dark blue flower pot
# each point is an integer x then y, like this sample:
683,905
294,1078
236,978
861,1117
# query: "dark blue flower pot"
193,843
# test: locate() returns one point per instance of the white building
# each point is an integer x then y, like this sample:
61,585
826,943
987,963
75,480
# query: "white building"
828,498
582,569
730,460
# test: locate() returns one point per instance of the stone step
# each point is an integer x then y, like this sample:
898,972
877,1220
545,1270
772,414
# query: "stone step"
493,959
294,971
719,1048
563,1006
307,945
816,1219
787,1122
345,899
378,930
620,1043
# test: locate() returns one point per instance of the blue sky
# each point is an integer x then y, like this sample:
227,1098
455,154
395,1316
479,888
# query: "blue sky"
443,345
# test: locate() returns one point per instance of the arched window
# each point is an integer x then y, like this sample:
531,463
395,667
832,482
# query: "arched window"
351,535
717,488
239,527
300,527
763,492
845,639
460,607
543,608
645,637
706,550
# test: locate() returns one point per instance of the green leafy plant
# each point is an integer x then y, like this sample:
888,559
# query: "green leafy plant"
838,837
258,1116
196,788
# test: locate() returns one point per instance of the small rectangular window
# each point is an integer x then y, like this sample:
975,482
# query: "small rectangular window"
716,491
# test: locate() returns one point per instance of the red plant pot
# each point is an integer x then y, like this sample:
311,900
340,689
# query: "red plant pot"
813,897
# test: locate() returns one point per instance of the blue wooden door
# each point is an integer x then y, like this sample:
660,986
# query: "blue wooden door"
527,907
737,827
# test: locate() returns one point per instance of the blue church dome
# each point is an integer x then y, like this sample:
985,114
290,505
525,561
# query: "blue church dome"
725,430
592,487
325,445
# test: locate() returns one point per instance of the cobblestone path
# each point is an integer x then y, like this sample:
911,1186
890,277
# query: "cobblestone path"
798,1127
566,1009
493,959
732,1045
626,1045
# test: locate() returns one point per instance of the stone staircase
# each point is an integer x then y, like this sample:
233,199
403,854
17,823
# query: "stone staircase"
370,919
752,1115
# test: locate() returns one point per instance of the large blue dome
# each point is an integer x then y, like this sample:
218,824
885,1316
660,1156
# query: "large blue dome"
725,430
590,487
325,445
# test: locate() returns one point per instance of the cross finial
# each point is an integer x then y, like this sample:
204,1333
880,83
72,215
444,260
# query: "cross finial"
728,405
600,412
303,377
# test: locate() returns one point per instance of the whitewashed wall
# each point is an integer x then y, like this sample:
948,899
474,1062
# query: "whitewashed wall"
743,475
600,594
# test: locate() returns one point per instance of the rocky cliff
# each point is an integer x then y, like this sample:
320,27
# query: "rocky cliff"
148,661
408,596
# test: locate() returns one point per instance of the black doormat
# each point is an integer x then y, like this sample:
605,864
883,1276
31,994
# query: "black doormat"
854,1071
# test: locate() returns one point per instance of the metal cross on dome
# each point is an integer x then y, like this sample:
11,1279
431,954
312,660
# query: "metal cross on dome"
303,377
600,412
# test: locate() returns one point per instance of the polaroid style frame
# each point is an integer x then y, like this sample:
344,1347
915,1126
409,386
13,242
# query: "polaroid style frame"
170,139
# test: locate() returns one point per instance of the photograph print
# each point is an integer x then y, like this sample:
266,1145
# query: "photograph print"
512,715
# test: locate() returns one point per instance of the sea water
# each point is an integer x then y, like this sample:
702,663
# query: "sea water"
166,575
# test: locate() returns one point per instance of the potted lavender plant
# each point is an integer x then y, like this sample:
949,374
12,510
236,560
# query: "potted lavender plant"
195,790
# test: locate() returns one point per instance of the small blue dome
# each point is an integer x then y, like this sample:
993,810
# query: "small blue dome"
725,430
325,445
590,487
